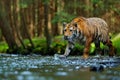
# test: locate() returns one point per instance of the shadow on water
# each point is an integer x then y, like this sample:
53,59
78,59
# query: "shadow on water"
35,67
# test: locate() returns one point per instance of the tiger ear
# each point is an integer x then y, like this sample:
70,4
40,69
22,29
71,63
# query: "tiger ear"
64,24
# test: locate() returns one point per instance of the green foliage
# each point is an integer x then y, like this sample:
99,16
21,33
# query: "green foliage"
58,45
36,41
3,47
77,50
116,43
25,3
92,48
45,1
62,17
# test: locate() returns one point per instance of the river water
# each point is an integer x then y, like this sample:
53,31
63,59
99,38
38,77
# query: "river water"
36,67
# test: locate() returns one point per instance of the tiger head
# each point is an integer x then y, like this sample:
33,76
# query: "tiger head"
74,29
70,31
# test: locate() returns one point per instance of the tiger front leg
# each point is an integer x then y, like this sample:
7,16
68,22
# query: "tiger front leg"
87,47
68,49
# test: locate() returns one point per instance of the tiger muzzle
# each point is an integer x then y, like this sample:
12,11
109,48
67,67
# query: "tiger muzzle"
66,37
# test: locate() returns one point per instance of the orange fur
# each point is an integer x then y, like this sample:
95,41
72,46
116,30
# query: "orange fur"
90,29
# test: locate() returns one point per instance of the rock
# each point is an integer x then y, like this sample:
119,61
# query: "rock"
97,68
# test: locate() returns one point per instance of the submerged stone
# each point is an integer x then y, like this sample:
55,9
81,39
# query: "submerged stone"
97,68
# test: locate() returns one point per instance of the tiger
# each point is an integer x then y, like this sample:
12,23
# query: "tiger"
86,31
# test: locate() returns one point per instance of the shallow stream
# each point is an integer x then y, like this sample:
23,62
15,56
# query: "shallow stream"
36,67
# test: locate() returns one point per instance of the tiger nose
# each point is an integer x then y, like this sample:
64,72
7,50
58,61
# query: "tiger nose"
65,37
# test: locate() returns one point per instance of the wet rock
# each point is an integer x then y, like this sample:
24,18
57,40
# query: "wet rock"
97,68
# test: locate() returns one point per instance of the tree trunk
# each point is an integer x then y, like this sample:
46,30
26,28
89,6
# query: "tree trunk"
5,27
30,17
46,31
87,8
16,22
24,26
6,31
54,6
40,19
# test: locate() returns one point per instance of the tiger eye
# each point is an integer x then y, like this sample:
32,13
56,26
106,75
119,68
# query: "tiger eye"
70,30
65,30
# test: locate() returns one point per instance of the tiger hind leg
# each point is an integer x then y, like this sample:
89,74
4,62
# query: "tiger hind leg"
87,47
98,49
111,48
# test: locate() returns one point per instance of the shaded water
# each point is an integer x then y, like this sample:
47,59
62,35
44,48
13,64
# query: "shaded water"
35,67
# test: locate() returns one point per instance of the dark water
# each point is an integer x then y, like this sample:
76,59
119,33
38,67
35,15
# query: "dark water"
35,67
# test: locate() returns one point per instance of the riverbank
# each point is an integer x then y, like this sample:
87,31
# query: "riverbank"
58,46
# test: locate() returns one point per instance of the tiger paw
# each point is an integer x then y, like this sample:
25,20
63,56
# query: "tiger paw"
62,57
57,56
85,56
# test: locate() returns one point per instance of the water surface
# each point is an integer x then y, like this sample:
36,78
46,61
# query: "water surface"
36,67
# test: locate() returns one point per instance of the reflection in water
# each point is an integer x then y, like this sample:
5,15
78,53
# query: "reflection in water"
47,68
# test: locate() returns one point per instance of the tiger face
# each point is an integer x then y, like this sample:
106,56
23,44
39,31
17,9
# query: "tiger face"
70,32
